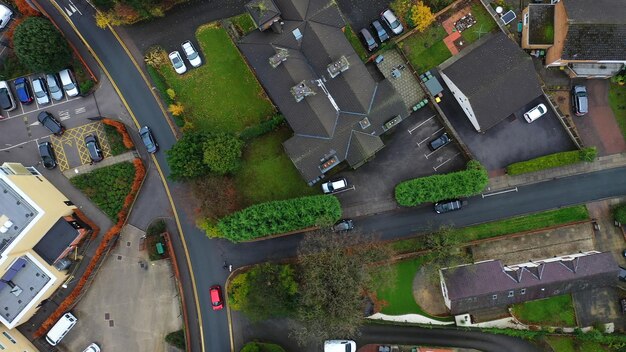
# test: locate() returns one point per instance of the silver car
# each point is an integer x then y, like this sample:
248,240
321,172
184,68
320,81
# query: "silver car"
191,53
40,91
177,62
54,87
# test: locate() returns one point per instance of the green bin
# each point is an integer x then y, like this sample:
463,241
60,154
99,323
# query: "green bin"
159,248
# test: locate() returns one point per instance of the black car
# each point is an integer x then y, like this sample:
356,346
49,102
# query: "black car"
439,142
148,139
622,274
48,121
93,146
448,205
622,303
48,158
343,225
368,40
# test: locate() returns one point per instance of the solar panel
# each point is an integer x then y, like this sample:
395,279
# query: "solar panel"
508,17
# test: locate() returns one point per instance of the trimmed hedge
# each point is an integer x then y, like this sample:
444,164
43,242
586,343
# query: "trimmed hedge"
439,187
261,347
278,217
620,213
552,160
262,128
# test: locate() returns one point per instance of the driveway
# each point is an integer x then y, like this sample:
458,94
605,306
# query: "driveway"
360,13
599,305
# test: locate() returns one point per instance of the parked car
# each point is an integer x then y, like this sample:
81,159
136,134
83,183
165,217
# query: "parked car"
622,303
48,121
22,88
41,91
5,16
46,153
368,40
177,62
339,346
441,141
92,348
191,53
624,253
535,113
579,100
335,185
216,297
54,87
68,82
392,21
148,139
93,146
7,103
380,31
622,273
343,225
448,205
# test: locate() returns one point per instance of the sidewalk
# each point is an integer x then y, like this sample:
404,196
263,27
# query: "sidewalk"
82,169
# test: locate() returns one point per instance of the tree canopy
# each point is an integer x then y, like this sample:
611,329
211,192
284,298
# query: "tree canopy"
222,153
186,157
40,46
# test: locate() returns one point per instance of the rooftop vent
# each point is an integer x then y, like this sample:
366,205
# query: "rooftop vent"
301,90
338,66
296,33
279,57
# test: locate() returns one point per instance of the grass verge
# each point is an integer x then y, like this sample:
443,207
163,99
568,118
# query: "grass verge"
569,344
484,24
553,311
426,50
617,101
355,42
116,142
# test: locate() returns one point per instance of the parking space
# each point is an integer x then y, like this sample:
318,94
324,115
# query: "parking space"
70,148
597,306
360,13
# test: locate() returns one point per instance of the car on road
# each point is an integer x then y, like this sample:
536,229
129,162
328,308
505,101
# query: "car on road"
392,21
335,185
380,31
54,87
579,100
7,103
177,62
46,153
191,53
5,16
368,40
448,206
93,147
22,88
535,113
439,142
148,139
343,225
41,91
68,82
339,346
48,121
93,347
216,297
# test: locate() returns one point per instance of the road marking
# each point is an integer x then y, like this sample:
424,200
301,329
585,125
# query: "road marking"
422,141
43,108
500,192
440,165
80,110
64,115
418,126
11,146
74,8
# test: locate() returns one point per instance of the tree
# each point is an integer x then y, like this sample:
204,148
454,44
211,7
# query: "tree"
185,157
421,16
266,291
176,109
446,251
334,276
401,8
222,153
40,46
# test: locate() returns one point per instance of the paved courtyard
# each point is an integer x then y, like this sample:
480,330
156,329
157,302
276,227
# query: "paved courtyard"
405,84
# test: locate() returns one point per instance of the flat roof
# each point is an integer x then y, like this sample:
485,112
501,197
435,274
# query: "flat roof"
14,210
56,241
25,281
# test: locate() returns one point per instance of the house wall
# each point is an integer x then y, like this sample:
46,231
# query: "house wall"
553,55
13,340
462,100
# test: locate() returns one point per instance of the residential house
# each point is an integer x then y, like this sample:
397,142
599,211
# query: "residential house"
265,14
312,73
13,340
471,287
491,80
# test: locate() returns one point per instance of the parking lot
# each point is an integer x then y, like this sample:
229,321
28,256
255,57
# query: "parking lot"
361,13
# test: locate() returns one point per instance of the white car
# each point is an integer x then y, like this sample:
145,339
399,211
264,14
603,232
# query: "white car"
5,16
191,53
92,348
339,346
392,21
68,82
535,113
177,62
334,185
40,91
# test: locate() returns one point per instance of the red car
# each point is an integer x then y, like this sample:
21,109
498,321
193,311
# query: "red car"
216,297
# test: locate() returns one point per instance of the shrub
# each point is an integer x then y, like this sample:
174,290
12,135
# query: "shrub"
121,129
262,128
261,347
186,157
157,227
620,213
176,339
552,160
277,217
40,46
421,16
439,187
222,153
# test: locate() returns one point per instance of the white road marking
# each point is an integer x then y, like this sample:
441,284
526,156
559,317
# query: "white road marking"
68,12
73,7
80,110
64,115
440,165
500,192
34,111
419,125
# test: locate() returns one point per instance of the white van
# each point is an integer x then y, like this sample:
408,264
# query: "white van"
61,328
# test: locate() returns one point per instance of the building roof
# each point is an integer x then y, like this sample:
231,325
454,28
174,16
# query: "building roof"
325,120
497,77
25,281
14,210
492,276
262,11
596,11
56,241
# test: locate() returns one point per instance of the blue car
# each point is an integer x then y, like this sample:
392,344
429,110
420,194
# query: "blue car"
24,92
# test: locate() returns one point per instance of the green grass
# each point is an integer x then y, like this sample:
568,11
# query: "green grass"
244,23
617,101
551,161
116,142
222,94
561,343
484,24
426,50
503,227
355,42
553,311
267,172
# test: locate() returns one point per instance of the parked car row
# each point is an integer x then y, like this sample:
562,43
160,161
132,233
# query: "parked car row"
392,22
192,56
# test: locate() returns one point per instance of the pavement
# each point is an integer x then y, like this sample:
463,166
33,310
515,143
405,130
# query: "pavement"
361,13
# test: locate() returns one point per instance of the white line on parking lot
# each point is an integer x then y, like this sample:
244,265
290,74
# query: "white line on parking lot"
11,146
64,115
440,165
429,137
80,110
41,108
419,125
500,192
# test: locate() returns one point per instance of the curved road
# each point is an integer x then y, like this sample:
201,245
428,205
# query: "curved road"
206,256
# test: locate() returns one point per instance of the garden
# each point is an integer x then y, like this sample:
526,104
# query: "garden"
617,100
553,311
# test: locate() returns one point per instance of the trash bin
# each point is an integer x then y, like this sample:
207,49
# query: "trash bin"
159,248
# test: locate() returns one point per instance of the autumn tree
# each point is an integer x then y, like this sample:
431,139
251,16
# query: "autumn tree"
176,109
421,16
446,250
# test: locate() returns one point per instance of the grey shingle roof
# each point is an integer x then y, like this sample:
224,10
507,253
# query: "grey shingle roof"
55,241
596,11
262,11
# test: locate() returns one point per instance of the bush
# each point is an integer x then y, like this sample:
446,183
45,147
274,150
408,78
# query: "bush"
277,217
115,140
620,213
176,339
157,227
261,347
439,187
552,160
40,46
222,153
186,157
262,128
162,87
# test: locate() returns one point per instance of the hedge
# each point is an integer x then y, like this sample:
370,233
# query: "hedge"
281,216
620,213
176,338
262,128
261,347
439,187
552,160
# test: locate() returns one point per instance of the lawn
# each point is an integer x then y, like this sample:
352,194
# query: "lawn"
267,172
553,311
426,50
569,344
617,100
355,41
484,24
244,23
222,94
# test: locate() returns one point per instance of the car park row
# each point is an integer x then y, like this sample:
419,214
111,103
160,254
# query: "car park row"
192,56
390,19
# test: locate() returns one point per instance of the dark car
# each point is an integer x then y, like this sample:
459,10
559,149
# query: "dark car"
622,303
368,40
148,139
439,142
216,297
23,90
343,225
447,206
380,31
93,146
48,121
48,158
622,274
579,100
